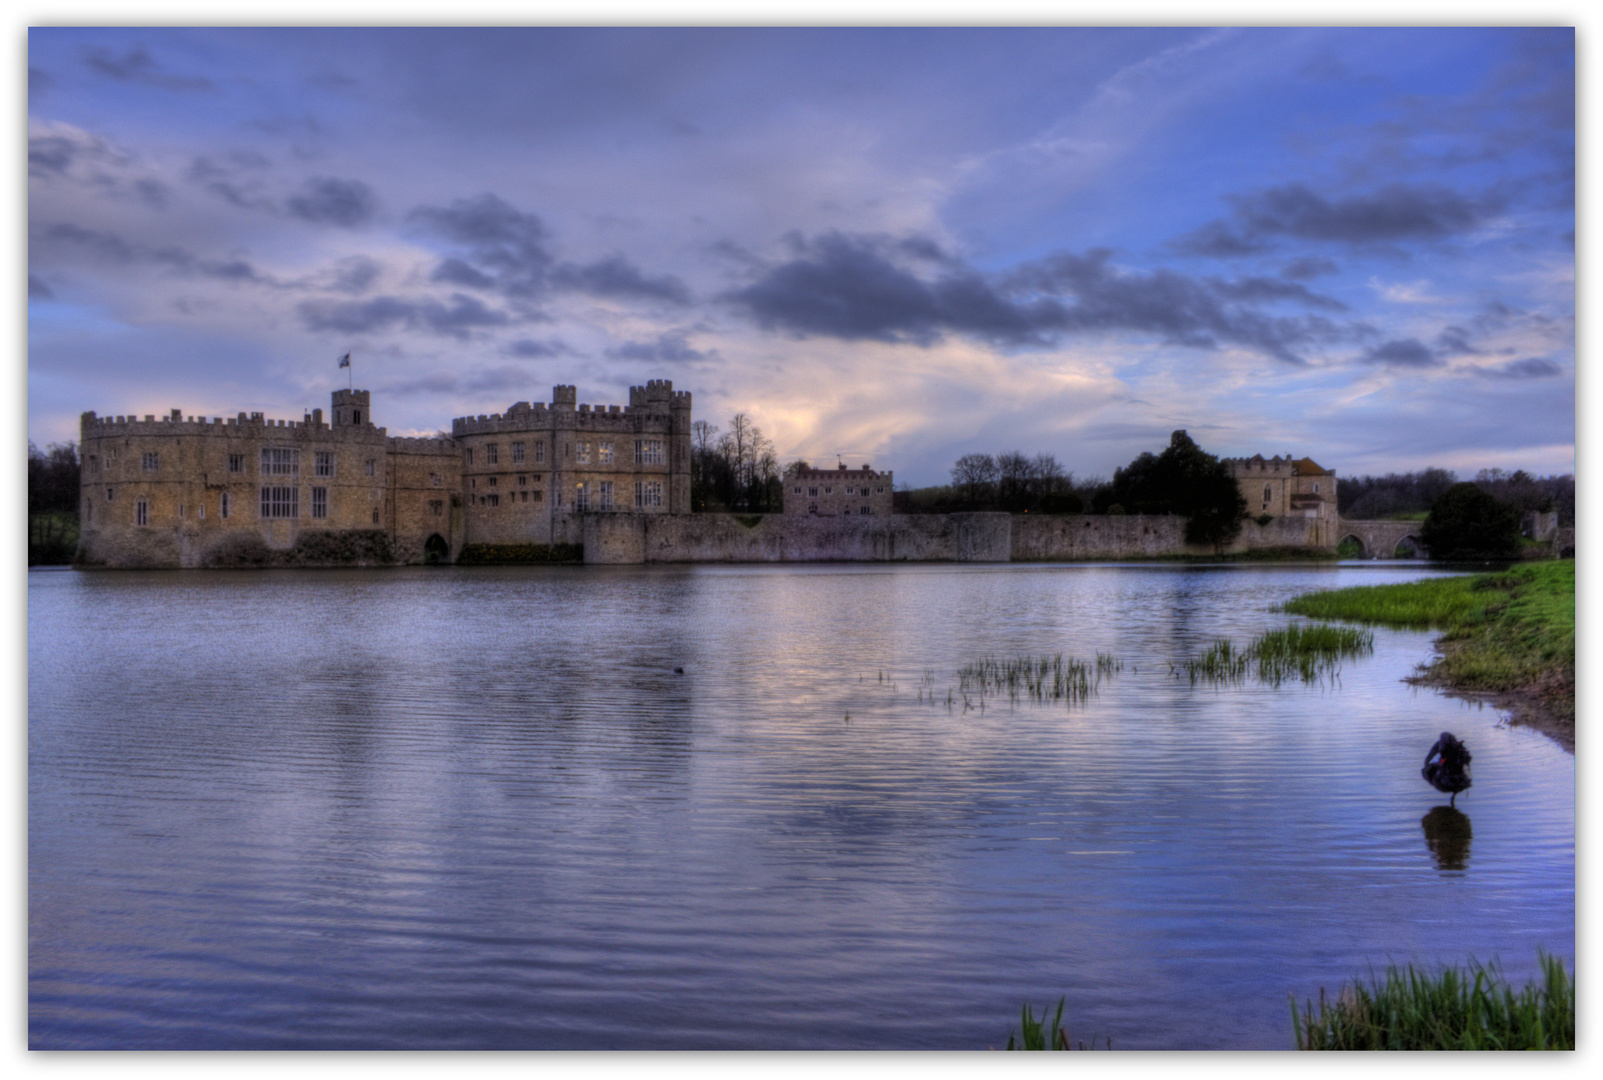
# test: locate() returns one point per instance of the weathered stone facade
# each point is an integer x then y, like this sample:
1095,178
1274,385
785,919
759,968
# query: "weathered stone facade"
1283,487
838,492
192,491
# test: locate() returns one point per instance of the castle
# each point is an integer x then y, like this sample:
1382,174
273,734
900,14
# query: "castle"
191,491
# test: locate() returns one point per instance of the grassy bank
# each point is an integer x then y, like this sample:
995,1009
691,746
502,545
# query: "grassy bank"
1454,1009
1509,633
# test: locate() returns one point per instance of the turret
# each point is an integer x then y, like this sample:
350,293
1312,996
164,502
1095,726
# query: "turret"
351,408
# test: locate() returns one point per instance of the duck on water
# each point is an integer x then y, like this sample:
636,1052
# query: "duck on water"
1447,766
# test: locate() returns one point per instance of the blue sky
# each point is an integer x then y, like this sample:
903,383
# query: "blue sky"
896,245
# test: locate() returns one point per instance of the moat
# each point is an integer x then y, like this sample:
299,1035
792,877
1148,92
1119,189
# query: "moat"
473,808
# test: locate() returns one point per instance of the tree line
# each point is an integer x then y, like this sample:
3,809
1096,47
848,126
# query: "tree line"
1403,495
734,468
52,503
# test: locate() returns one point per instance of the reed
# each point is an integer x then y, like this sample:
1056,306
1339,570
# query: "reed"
1309,653
1040,678
1453,1009
1039,1035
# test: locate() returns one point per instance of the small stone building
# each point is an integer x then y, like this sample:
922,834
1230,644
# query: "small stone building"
1287,487
838,492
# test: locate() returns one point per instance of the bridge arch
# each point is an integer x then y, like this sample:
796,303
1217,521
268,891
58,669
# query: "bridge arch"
436,551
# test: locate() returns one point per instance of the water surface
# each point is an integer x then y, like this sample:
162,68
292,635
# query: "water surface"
478,808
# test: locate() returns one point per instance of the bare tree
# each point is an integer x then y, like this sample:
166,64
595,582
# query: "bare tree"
975,476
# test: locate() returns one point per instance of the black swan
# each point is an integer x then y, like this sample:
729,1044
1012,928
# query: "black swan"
1447,766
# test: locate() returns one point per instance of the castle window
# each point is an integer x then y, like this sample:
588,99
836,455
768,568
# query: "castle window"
584,453
536,496
1316,487
434,479
648,493
281,502
356,416
468,456
493,500
225,504
320,502
648,451
236,463
369,466
829,489
881,490
281,461
539,451
812,493
110,494
473,481
1268,493
141,512
436,507
853,491
375,515
523,480
152,461
180,511
492,453
581,497
200,511
866,510
323,463
798,491
517,452
606,492
94,463
492,481
606,453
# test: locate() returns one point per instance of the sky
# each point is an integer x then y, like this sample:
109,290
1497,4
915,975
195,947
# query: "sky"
891,246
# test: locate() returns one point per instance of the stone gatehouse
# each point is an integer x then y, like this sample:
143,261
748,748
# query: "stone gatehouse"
838,492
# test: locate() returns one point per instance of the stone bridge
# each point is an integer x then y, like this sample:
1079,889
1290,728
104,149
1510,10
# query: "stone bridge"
1380,539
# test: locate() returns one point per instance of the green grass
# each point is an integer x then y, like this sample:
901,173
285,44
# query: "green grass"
1513,630
1453,1009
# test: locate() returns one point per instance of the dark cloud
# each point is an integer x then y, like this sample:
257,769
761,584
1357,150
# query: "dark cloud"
1529,368
38,290
456,272
136,65
668,348
40,81
326,200
501,242
851,288
1308,268
1454,341
483,380
1389,215
614,276
355,274
50,154
456,319
1404,352
532,349
108,246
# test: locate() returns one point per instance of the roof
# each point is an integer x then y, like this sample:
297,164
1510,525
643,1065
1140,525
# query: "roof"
1308,467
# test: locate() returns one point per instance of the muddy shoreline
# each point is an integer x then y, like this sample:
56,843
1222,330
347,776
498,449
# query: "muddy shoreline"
1547,706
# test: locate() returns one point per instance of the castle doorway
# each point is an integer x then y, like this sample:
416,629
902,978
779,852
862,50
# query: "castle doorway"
436,552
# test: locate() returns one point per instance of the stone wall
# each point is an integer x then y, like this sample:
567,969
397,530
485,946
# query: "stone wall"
981,537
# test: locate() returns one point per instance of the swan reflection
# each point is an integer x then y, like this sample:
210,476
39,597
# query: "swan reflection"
1447,834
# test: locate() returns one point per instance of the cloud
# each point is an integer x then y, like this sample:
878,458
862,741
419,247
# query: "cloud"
505,246
1388,215
1404,353
326,200
482,380
615,276
136,65
355,274
669,347
850,288
1306,269
1529,368
38,290
532,349
456,319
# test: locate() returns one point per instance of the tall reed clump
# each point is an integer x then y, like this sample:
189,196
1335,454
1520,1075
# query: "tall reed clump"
1039,1035
1309,653
1041,678
1454,1009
